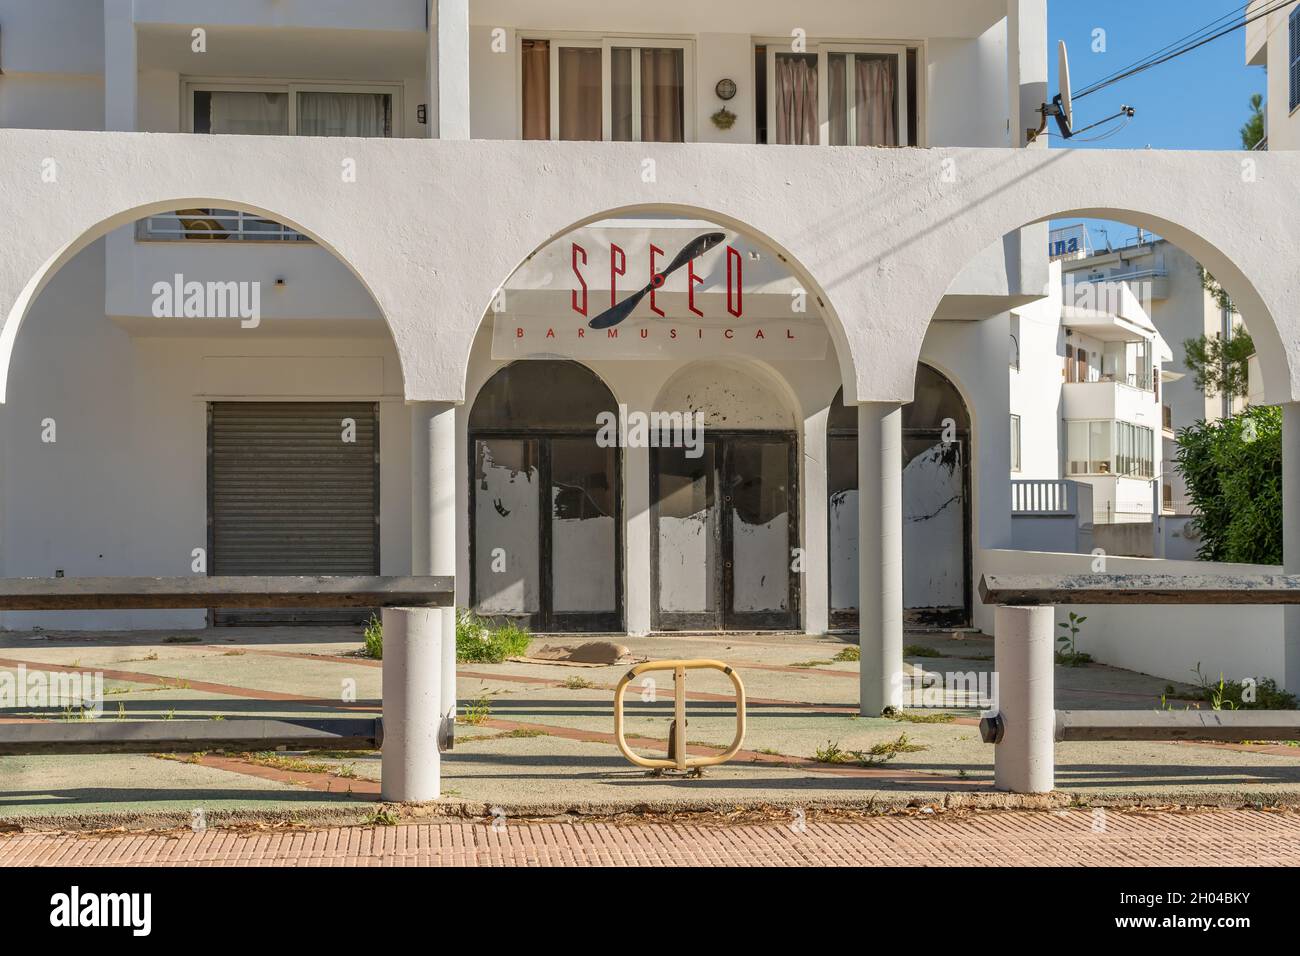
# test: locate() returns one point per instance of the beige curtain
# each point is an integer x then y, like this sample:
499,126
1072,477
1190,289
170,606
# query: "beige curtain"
877,85
661,96
537,89
621,94
837,98
580,99
796,99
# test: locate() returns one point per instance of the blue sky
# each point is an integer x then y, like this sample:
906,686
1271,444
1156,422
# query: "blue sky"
1196,101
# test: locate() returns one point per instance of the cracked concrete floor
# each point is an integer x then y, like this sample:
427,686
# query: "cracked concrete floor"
538,738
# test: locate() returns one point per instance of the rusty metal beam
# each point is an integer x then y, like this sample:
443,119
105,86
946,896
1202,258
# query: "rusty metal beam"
200,591
1030,590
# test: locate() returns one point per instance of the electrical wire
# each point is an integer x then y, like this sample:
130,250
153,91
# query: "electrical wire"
1235,11
1156,59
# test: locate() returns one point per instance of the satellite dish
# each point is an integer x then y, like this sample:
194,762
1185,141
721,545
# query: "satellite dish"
1064,100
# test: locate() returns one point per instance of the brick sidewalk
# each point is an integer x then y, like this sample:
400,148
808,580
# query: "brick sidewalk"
1063,838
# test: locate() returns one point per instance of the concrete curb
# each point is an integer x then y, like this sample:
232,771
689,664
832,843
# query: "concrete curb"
666,811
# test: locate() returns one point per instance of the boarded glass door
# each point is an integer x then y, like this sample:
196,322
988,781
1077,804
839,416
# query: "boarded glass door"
725,525
546,533
759,533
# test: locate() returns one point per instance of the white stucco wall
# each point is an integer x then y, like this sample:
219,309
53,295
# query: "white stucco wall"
1164,640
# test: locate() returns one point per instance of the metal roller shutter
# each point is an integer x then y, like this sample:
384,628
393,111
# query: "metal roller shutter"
287,495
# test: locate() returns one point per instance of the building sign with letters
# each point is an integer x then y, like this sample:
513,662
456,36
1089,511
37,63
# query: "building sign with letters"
656,289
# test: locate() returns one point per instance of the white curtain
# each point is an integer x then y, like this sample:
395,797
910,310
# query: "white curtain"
258,114
344,114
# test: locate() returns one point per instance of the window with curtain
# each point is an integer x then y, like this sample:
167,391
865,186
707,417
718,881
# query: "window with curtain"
318,112
648,90
579,95
796,121
249,113
345,114
536,79
862,99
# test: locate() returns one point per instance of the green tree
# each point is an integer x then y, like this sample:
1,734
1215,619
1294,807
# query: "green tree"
1233,471
1253,132
1221,367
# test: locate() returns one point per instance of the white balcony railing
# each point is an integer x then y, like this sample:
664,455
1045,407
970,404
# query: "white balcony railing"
1044,496
215,225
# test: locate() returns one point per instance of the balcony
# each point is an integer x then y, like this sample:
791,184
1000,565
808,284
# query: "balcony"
214,225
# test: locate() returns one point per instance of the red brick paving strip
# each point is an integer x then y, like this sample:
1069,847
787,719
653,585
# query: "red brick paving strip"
1063,838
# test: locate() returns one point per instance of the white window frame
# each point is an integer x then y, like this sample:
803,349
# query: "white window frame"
606,43
1017,462
291,88
822,49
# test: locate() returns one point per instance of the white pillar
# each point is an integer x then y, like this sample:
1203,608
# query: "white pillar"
1024,762
433,525
410,769
814,582
880,556
120,66
447,73
1291,541
636,539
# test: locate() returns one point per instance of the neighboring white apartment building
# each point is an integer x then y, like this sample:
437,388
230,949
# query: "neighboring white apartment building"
1086,380
214,443
1273,42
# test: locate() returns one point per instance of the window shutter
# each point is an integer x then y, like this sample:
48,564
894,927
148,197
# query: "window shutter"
1295,57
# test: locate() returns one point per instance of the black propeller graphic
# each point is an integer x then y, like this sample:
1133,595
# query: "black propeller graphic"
694,249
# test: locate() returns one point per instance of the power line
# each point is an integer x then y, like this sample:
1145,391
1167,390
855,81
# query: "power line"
1149,63
1235,11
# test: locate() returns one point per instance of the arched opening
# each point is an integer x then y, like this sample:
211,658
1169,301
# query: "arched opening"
227,397
937,506
545,514
725,507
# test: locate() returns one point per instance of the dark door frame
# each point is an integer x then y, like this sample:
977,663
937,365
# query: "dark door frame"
851,620
725,619
546,619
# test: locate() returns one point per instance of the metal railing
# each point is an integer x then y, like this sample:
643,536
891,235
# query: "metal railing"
188,736
1044,496
1027,723
215,225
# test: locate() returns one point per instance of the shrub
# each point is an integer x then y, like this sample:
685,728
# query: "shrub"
1233,470
479,641
373,635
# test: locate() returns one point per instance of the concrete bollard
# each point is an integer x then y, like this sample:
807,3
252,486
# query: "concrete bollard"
412,682
1023,649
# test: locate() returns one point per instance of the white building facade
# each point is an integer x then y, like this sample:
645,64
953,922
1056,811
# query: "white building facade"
326,348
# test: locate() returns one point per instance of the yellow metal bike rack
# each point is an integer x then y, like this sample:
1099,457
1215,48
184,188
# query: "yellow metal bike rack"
677,743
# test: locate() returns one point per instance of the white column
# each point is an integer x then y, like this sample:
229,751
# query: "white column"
410,768
636,539
814,582
433,525
1024,762
880,555
447,74
1291,541
120,67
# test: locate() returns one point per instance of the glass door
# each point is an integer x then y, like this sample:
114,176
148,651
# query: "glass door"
725,529
759,533
686,562
547,535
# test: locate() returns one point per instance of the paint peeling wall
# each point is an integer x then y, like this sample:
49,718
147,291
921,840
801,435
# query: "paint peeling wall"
582,551
933,526
688,562
844,550
507,515
761,580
